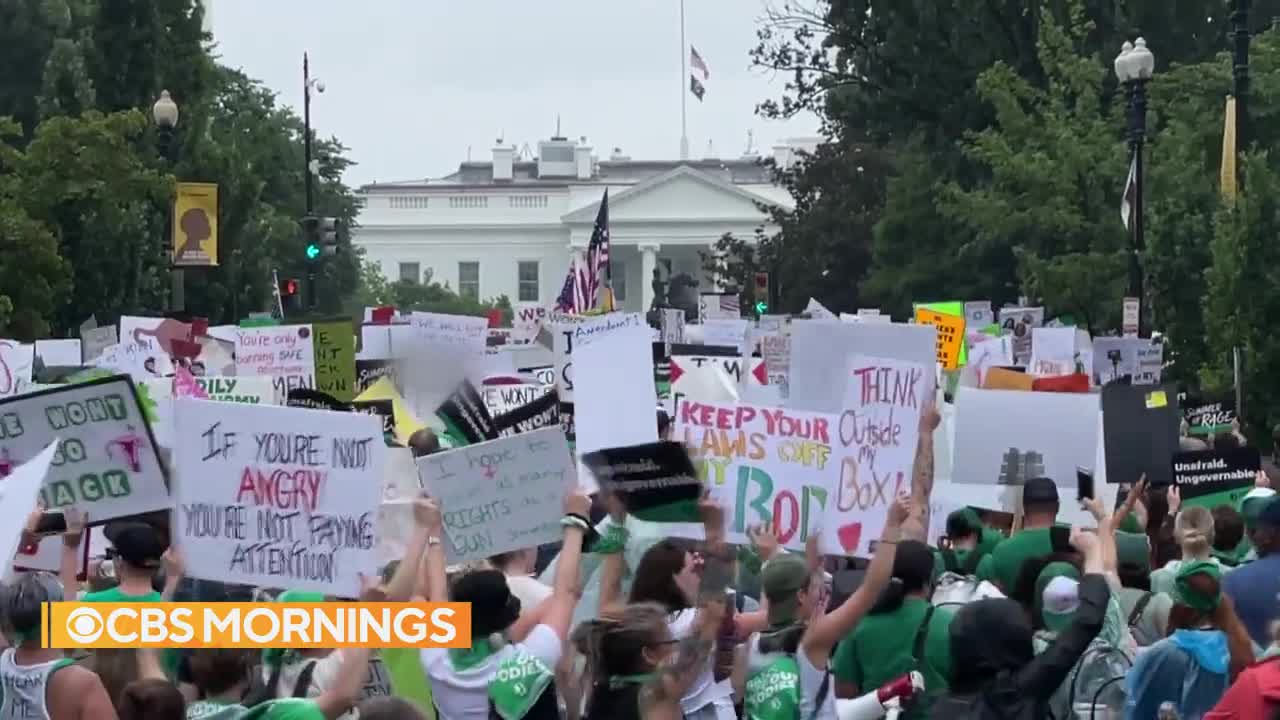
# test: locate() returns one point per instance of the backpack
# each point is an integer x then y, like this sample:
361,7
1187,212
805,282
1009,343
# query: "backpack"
959,585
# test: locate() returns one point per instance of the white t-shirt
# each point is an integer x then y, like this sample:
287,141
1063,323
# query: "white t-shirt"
705,690
528,590
464,695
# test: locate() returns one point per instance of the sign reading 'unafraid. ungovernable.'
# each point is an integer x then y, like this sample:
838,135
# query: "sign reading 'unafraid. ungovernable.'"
277,496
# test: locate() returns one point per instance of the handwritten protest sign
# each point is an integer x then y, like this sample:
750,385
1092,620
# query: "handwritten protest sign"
1019,322
776,349
501,399
18,494
526,321
461,332
106,464
763,465
278,497
249,390
1053,352
877,432
950,335
335,359
569,331
285,353
16,361
502,495
820,351
540,413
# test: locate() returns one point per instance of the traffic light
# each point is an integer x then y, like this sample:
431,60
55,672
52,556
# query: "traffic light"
311,236
290,287
330,230
762,293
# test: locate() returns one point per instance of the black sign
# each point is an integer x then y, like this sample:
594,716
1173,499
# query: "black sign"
315,400
385,409
656,481
1206,417
466,415
369,372
1140,431
539,413
1209,472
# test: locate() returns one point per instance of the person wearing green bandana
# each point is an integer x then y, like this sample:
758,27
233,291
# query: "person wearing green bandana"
510,665
1207,647
970,542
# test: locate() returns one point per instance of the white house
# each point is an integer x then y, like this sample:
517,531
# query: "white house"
508,226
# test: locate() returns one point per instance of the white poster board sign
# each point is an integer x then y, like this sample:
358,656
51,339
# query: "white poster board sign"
251,390
501,495
464,333
59,353
568,331
526,321
16,361
18,495
719,306
284,353
106,465
94,340
1053,351
617,403
820,352
502,399
277,496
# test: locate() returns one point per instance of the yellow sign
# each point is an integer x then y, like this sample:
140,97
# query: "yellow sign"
195,225
1157,399
950,335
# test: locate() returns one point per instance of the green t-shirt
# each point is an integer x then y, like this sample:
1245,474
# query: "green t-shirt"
879,650
214,710
114,595
1005,561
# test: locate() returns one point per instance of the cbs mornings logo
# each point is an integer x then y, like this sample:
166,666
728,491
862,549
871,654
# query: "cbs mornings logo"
73,625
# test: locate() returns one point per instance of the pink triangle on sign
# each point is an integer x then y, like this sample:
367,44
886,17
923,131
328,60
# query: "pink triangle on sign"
676,371
761,375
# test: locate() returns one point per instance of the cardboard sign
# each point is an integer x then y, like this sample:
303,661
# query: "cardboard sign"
94,340
818,311
18,494
247,390
59,353
46,555
950,335
503,495
540,413
16,361
1019,322
277,497
284,353
725,333
1138,358
655,481
820,353
570,330
1208,418
463,333
764,465
106,464
1140,431
1215,477
526,321
465,416
335,359
878,433
990,353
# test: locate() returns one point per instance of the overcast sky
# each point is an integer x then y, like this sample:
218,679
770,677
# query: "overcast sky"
412,84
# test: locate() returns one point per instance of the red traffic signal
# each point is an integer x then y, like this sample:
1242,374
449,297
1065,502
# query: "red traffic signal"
762,281
289,287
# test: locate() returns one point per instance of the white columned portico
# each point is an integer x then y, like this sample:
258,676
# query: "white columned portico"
648,263
721,262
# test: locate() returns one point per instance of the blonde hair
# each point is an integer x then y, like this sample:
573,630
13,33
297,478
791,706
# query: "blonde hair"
1193,530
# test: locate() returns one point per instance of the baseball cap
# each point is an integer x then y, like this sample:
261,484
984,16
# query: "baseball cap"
780,579
493,607
1039,490
138,544
1059,602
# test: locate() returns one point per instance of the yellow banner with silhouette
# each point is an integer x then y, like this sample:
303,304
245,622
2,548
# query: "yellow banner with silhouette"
195,225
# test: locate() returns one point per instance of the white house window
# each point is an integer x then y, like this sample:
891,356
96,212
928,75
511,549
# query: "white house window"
410,272
527,275
619,270
469,280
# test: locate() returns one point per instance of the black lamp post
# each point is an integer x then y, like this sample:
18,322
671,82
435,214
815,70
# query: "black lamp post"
312,168
165,115
1134,67
1240,70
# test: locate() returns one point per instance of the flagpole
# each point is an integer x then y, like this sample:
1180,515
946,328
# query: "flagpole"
684,92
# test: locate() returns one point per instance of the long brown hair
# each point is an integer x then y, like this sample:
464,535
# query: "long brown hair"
1223,617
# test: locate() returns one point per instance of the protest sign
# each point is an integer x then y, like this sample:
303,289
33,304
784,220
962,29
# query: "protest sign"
655,481
1053,352
406,423
369,371
1210,478
672,326
764,465
463,333
569,330
1114,358
502,495
991,353
16,361
1005,437
703,378
284,353
59,353
725,333
94,340
1019,322
818,311
335,359
18,495
400,486
1140,432
878,431
465,417
776,350
526,321
106,464
950,339
1209,417
315,400
46,554
384,410
820,352
502,399
719,306
277,496
541,412
617,403
978,314
1150,363
248,390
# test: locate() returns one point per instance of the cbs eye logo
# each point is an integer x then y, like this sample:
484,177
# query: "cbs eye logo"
85,625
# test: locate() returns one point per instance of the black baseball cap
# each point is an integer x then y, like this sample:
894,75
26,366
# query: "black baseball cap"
138,544
1039,490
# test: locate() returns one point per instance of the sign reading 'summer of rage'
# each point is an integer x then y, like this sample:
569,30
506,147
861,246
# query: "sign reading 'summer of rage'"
106,464
277,496
501,495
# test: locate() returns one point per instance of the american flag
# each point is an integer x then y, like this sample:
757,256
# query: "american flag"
731,303
696,61
581,290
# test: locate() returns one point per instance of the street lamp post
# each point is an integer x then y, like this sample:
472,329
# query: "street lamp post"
1240,69
1134,66
311,166
165,115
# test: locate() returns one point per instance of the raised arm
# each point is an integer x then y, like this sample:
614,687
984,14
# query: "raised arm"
917,527
556,611
826,630
174,569
433,563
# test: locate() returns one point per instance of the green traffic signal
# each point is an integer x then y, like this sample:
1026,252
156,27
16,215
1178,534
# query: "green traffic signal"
313,251
762,308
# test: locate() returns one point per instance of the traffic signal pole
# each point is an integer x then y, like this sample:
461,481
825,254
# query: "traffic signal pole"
306,172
